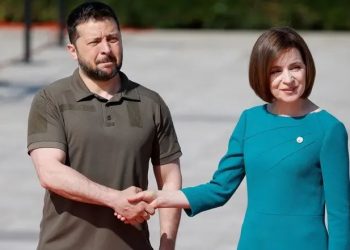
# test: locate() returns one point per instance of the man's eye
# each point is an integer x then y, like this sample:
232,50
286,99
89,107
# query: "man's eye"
93,42
113,40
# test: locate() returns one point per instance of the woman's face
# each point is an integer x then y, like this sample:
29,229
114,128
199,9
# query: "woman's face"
288,76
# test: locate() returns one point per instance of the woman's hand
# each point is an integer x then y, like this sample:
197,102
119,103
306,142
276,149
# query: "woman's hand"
158,199
147,196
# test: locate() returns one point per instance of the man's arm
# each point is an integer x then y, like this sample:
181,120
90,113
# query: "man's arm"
63,180
168,177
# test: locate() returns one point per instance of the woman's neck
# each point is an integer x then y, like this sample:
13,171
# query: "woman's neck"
300,107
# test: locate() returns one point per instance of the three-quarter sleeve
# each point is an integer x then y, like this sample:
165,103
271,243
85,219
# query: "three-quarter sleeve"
226,178
335,173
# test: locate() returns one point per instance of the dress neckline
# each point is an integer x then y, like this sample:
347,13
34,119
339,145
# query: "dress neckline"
316,111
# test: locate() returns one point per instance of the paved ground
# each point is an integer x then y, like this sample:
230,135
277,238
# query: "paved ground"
203,78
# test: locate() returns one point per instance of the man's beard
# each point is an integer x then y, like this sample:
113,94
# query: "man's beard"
97,74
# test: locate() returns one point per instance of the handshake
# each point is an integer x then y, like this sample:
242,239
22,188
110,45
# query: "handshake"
134,206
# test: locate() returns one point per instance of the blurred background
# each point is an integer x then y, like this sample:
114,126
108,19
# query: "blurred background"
202,14
195,54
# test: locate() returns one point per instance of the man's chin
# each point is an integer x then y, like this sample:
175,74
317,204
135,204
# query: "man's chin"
105,77
102,75
107,68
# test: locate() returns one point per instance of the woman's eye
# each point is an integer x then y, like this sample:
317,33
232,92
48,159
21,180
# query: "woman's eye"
274,72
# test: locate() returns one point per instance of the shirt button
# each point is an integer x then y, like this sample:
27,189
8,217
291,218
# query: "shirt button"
109,117
300,139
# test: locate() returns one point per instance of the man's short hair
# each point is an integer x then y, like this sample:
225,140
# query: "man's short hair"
85,12
266,49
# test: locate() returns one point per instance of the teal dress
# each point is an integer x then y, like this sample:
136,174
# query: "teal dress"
294,167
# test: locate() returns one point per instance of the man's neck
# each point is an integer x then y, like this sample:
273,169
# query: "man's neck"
105,89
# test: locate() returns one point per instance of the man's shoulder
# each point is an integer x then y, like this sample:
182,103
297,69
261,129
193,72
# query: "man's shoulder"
146,93
56,88
59,85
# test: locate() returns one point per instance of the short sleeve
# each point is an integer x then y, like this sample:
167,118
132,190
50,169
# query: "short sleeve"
335,173
166,147
45,129
226,178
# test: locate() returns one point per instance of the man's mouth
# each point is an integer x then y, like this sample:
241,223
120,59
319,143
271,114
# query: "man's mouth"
106,60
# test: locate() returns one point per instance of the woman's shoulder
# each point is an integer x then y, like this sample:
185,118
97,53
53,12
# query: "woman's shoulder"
255,113
329,122
326,118
254,110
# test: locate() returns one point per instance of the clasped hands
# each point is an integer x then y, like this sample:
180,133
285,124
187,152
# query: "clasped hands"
135,206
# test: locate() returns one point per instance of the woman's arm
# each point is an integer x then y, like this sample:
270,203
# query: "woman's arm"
335,173
162,198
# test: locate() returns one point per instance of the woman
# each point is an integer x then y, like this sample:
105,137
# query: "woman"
293,154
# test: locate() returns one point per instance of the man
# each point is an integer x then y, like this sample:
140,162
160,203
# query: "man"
91,136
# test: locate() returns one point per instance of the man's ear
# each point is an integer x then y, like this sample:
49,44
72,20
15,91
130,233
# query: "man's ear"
72,50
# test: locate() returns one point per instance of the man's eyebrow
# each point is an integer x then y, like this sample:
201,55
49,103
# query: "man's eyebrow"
113,34
93,38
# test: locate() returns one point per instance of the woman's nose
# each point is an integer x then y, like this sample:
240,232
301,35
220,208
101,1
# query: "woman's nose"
287,77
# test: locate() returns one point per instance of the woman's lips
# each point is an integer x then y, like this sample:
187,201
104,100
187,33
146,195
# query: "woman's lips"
289,90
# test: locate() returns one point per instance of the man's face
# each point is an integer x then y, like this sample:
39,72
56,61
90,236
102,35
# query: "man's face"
98,49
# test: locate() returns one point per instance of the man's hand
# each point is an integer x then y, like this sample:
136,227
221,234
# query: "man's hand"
129,211
140,197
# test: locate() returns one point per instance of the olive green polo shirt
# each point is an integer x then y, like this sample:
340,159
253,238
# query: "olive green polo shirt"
109,141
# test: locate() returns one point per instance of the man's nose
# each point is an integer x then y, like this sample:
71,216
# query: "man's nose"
105,47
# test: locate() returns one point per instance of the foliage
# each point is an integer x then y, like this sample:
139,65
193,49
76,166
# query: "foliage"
207,14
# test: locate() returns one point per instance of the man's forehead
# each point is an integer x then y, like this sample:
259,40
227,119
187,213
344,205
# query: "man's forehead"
94,27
